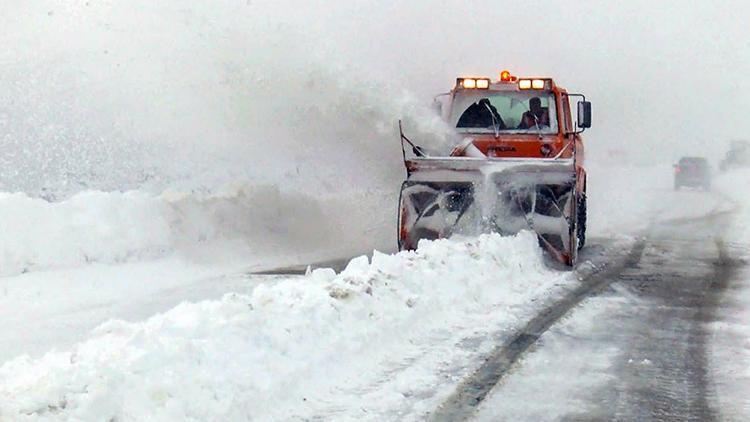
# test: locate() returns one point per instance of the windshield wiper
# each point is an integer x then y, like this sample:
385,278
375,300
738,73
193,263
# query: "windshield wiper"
495,123
538,129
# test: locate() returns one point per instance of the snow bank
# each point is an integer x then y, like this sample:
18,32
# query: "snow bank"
281,349
238,222
730,353
735,185
730,348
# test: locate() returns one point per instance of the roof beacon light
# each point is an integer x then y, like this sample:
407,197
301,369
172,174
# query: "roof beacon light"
537,84
483,83
524,84
505,76
470,83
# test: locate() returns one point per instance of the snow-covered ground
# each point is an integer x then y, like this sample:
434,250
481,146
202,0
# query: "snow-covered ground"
386,339
241,225
156,153
66,267
128,256
288,348
730,357
551,383
47,310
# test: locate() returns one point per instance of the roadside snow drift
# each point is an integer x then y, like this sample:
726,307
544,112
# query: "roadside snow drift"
241,222
730,349
272,354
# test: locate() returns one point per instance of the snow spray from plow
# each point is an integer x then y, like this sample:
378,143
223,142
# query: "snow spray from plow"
478,197
224,227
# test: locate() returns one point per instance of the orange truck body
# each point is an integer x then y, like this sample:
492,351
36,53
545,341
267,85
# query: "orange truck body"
538,171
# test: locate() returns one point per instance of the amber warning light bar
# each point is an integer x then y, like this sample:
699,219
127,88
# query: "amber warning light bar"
532,84
473,83
505,77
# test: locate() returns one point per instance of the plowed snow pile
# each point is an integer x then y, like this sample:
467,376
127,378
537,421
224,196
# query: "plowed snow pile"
225,131
282,350
730,349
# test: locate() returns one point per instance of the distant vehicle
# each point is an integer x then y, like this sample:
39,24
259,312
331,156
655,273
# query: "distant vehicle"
692,172
737,156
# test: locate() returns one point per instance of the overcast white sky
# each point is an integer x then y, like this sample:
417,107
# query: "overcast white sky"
228,78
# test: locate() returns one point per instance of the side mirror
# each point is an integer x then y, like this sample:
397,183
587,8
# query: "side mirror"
584,114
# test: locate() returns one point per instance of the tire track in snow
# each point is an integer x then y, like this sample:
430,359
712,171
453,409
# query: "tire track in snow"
472,391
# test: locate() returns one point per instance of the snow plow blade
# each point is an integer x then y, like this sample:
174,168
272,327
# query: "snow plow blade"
469,196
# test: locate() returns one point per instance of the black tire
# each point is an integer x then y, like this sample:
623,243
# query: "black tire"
399,240
581,214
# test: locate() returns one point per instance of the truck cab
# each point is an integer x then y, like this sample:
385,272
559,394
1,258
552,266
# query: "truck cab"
513,117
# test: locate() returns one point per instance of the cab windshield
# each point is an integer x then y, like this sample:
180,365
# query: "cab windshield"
507,112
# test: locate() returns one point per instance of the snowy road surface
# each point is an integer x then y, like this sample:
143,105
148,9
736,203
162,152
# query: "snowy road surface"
34,320
644,328
638,351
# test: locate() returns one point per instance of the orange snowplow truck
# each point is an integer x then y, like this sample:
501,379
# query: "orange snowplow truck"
517,165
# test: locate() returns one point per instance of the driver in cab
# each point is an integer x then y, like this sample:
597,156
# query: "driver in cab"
536,117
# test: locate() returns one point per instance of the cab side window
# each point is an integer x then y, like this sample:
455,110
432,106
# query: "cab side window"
568,123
